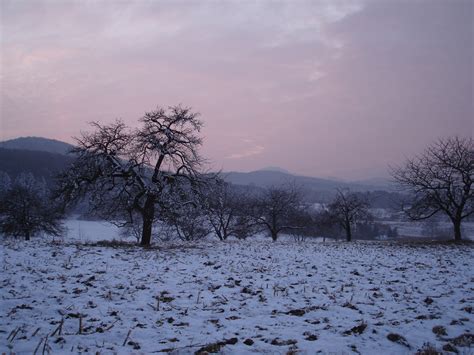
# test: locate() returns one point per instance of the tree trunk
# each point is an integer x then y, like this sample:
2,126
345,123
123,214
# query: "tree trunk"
273,230
148,216
457,230
27,235
274,235
348,232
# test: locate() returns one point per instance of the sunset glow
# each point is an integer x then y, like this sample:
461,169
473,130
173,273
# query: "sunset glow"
320,88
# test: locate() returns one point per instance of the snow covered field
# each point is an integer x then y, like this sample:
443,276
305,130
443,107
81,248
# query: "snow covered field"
239,297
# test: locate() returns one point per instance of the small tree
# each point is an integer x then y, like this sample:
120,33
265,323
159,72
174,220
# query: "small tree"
347,210
226,210
325,224
440,180
27,210
276,210
182,214
125,171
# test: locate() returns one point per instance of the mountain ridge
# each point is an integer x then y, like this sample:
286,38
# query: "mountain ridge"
265,177
41,144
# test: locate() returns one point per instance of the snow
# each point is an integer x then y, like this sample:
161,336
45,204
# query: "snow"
90,231
308,296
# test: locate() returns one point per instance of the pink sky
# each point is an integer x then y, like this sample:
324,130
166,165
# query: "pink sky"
321,88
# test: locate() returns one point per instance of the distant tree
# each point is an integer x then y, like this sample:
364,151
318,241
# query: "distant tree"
5,183
226,209
276,210
182,213
440,180
370,230
305,222
392,232
125,171
348,209
27,210
326,224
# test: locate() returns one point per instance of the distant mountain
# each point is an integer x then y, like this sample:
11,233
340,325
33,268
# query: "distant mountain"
46,157
37,144
264,178
315,189
41,164
379,183
275,168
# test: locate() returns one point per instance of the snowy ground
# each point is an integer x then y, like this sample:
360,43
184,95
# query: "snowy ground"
84,231
239,297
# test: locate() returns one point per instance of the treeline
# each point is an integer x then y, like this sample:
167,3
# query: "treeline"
43,165
189,213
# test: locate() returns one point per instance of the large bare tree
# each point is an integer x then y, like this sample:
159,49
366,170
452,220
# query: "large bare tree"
440,180
348,209
126,171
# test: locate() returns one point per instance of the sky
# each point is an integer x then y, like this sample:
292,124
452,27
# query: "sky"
320,88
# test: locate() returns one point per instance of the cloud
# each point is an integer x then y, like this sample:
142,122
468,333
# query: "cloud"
256,150
345,85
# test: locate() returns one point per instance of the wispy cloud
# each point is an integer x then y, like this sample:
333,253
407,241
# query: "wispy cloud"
256,150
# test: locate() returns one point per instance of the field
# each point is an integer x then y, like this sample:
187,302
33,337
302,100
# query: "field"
236,297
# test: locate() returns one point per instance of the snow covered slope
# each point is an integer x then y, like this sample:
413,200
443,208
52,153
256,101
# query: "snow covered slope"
239,297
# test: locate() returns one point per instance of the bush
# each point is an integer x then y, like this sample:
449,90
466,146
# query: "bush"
27,210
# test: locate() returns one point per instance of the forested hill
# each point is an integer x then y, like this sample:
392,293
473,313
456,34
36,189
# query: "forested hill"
44,158
37,144
41,164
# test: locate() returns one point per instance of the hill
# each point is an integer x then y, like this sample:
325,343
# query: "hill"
41,164
37,144
45,157
315,189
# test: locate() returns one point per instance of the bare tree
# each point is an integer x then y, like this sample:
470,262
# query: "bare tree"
226,210
27,210
440,180
182,213
347,210
125,171
325,224
276,209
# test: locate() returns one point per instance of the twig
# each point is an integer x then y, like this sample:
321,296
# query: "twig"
80,323
59,328
126,338
45,343
11,333
112,325
37,347
15,332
